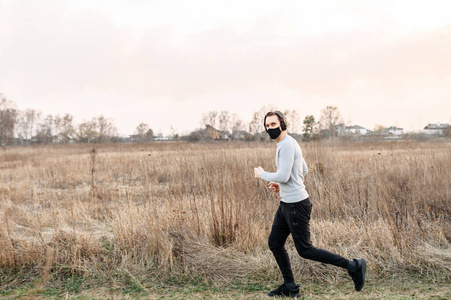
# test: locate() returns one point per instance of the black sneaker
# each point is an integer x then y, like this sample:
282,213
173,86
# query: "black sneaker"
284,291
359,275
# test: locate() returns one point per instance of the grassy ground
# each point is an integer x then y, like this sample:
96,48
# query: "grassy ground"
139,221
77,287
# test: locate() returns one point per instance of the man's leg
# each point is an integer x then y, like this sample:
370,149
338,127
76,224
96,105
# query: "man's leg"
279,233
299,216
276,242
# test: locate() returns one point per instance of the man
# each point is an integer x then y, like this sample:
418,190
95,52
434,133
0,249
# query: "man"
293,214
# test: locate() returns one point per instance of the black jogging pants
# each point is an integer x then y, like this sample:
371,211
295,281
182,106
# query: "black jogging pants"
294,218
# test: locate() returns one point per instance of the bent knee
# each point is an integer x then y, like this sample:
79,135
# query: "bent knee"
274,245
306,252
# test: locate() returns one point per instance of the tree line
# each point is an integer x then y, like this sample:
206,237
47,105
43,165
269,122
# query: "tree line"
33,127
236,129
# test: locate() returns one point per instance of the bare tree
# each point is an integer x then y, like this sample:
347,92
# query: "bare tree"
256,126
211,118
46,130
329,120
293,121
237,123
142,128
22,130
144,131
98,130
8,120
224,121
237,127
66,128
86,132
28,124
57,123
106,129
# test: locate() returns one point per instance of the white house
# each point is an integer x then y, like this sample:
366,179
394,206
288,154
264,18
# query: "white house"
436,129
225,135
357,129
394,130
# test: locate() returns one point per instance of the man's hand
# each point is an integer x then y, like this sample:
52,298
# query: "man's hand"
258,172
274,187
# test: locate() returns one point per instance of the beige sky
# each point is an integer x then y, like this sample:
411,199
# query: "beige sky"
167,62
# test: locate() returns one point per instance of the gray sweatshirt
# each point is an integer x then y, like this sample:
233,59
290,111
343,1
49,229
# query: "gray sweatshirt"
291,169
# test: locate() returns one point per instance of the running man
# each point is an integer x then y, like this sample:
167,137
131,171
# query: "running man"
293,214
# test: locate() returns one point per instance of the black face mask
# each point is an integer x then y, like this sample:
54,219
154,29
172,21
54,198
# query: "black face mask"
274,132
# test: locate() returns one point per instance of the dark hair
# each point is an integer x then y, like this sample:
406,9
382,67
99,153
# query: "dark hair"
280,116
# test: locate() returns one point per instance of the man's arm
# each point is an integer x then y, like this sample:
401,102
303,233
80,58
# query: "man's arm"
286,161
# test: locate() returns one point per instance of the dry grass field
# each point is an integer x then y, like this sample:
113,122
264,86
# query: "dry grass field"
132,217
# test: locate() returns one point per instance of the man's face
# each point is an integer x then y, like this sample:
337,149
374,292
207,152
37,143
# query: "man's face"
272,122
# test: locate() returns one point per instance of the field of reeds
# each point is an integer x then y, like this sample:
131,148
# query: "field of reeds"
139,215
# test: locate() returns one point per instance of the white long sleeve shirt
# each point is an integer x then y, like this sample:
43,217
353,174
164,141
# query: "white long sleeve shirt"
291,169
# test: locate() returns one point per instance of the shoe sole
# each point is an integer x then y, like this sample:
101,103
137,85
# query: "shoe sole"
297,295
291,296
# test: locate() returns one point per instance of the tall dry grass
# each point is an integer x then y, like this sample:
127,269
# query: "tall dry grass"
164,209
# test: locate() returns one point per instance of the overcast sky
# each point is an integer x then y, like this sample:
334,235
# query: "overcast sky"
167,62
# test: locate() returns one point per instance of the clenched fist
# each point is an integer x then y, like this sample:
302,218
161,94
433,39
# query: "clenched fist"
258,172
274,187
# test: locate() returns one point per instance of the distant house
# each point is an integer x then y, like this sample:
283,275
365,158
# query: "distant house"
437,129
43,138
393,130
162,138
225,135
146,137
212,132
357,129
135,137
